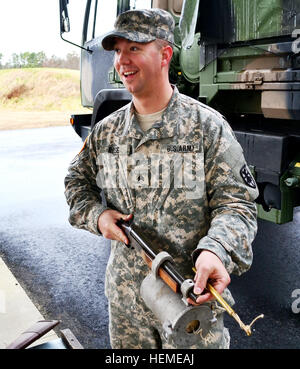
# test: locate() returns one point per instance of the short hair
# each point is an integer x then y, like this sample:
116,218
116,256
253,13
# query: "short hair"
162,43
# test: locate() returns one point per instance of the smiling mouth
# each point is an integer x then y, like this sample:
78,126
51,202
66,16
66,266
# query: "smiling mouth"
130,74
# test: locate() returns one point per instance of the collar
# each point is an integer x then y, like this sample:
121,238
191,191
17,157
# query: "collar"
167,127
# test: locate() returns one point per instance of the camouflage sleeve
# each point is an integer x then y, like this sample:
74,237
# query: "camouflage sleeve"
231,191
82,193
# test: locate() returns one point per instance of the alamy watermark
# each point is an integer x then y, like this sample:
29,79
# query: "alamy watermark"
158,170
296,43
296,302
2,302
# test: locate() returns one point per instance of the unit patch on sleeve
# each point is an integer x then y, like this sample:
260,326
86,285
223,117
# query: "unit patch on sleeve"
247,177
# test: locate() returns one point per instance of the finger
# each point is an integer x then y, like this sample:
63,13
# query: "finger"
200,281
118,234
219,286
191,302
125,217
207,296
197,289
201,299
221,283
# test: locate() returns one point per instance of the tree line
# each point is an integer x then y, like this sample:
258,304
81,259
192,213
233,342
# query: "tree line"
39,59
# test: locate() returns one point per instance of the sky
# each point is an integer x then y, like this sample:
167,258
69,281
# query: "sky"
33,25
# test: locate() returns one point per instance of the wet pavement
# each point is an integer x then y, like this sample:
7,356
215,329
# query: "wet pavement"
268,287
62,269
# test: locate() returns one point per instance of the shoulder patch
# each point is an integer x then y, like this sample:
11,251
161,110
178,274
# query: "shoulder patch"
247,177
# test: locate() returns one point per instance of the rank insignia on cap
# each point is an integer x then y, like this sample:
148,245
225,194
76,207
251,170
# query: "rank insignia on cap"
247,177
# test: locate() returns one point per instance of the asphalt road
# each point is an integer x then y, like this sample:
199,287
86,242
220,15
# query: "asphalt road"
62,269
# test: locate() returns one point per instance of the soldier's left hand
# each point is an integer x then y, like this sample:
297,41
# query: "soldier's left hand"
209,267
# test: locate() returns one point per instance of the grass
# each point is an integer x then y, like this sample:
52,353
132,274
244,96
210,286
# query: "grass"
37,97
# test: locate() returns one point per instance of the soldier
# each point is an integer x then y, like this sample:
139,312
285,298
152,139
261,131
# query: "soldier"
175,165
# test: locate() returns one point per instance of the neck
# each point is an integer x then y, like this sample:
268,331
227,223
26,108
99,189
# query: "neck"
153,102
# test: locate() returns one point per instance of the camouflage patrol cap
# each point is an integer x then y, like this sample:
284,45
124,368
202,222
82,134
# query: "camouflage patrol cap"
141,25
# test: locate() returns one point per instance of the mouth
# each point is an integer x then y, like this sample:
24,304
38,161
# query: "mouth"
128,75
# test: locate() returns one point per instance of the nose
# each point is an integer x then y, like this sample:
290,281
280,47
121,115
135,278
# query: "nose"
122,57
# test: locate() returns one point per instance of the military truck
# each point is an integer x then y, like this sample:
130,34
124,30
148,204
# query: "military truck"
241,57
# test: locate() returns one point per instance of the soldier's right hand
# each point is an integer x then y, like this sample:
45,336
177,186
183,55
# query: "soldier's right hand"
108,227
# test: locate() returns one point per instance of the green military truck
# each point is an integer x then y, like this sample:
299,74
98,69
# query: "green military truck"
241,57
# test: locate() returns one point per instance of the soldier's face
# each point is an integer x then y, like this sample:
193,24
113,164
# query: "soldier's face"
139,66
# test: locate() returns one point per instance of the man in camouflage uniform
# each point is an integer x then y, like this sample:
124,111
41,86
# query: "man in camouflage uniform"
183,178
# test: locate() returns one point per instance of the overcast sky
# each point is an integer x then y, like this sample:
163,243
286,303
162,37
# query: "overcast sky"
33,25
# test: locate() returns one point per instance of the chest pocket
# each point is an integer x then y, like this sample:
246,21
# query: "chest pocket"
112,176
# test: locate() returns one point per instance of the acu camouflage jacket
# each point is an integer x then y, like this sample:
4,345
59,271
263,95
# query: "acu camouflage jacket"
185,180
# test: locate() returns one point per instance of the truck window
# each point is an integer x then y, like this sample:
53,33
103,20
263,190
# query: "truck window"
105,13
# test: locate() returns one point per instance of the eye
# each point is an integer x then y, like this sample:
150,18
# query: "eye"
134,48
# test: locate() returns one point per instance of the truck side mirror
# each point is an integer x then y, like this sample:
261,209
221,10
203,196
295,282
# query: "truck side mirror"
65,23
64,16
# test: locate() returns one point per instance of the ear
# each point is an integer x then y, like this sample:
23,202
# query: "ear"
167,53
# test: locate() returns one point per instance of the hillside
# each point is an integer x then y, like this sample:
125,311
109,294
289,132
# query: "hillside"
38,97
